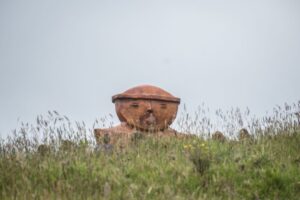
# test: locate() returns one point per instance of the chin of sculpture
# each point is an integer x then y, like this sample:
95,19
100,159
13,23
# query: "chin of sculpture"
145,109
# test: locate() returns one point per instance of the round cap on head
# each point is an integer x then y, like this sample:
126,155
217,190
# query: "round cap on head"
146,92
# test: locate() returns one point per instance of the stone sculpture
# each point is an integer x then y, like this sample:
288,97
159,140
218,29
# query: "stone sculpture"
146,109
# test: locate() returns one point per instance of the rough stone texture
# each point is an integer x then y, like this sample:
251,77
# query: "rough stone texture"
146,109
123,133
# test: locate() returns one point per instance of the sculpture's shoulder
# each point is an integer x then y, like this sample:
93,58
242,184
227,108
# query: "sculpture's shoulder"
123,133
114,133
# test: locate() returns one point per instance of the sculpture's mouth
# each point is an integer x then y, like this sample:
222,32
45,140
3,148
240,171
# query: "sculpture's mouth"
148,121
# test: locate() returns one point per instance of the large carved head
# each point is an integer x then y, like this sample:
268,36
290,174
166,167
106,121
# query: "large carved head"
146,107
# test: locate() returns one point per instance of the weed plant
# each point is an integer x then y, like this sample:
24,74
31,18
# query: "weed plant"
57,159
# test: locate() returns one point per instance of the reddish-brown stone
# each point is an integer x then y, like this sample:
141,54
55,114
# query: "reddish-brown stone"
146,92
145,108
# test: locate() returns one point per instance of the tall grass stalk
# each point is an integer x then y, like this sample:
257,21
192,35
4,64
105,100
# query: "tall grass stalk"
55,158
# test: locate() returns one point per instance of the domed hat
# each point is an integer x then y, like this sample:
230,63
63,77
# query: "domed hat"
147,92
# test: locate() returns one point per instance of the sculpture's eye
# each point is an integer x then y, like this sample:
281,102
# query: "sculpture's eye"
163,106
134,105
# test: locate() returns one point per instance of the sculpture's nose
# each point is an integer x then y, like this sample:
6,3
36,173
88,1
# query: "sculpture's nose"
149,111
149,107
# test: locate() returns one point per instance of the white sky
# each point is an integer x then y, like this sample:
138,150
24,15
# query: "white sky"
73,55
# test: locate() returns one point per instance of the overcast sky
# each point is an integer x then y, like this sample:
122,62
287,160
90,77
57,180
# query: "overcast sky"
73,55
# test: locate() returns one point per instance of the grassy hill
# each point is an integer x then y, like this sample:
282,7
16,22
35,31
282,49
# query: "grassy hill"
263,167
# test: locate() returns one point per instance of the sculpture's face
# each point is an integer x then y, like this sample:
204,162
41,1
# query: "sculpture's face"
149,115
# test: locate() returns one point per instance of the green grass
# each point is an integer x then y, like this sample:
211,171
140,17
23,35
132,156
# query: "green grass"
57,159
157,168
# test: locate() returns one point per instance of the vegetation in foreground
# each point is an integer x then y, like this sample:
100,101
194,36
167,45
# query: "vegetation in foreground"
56,166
